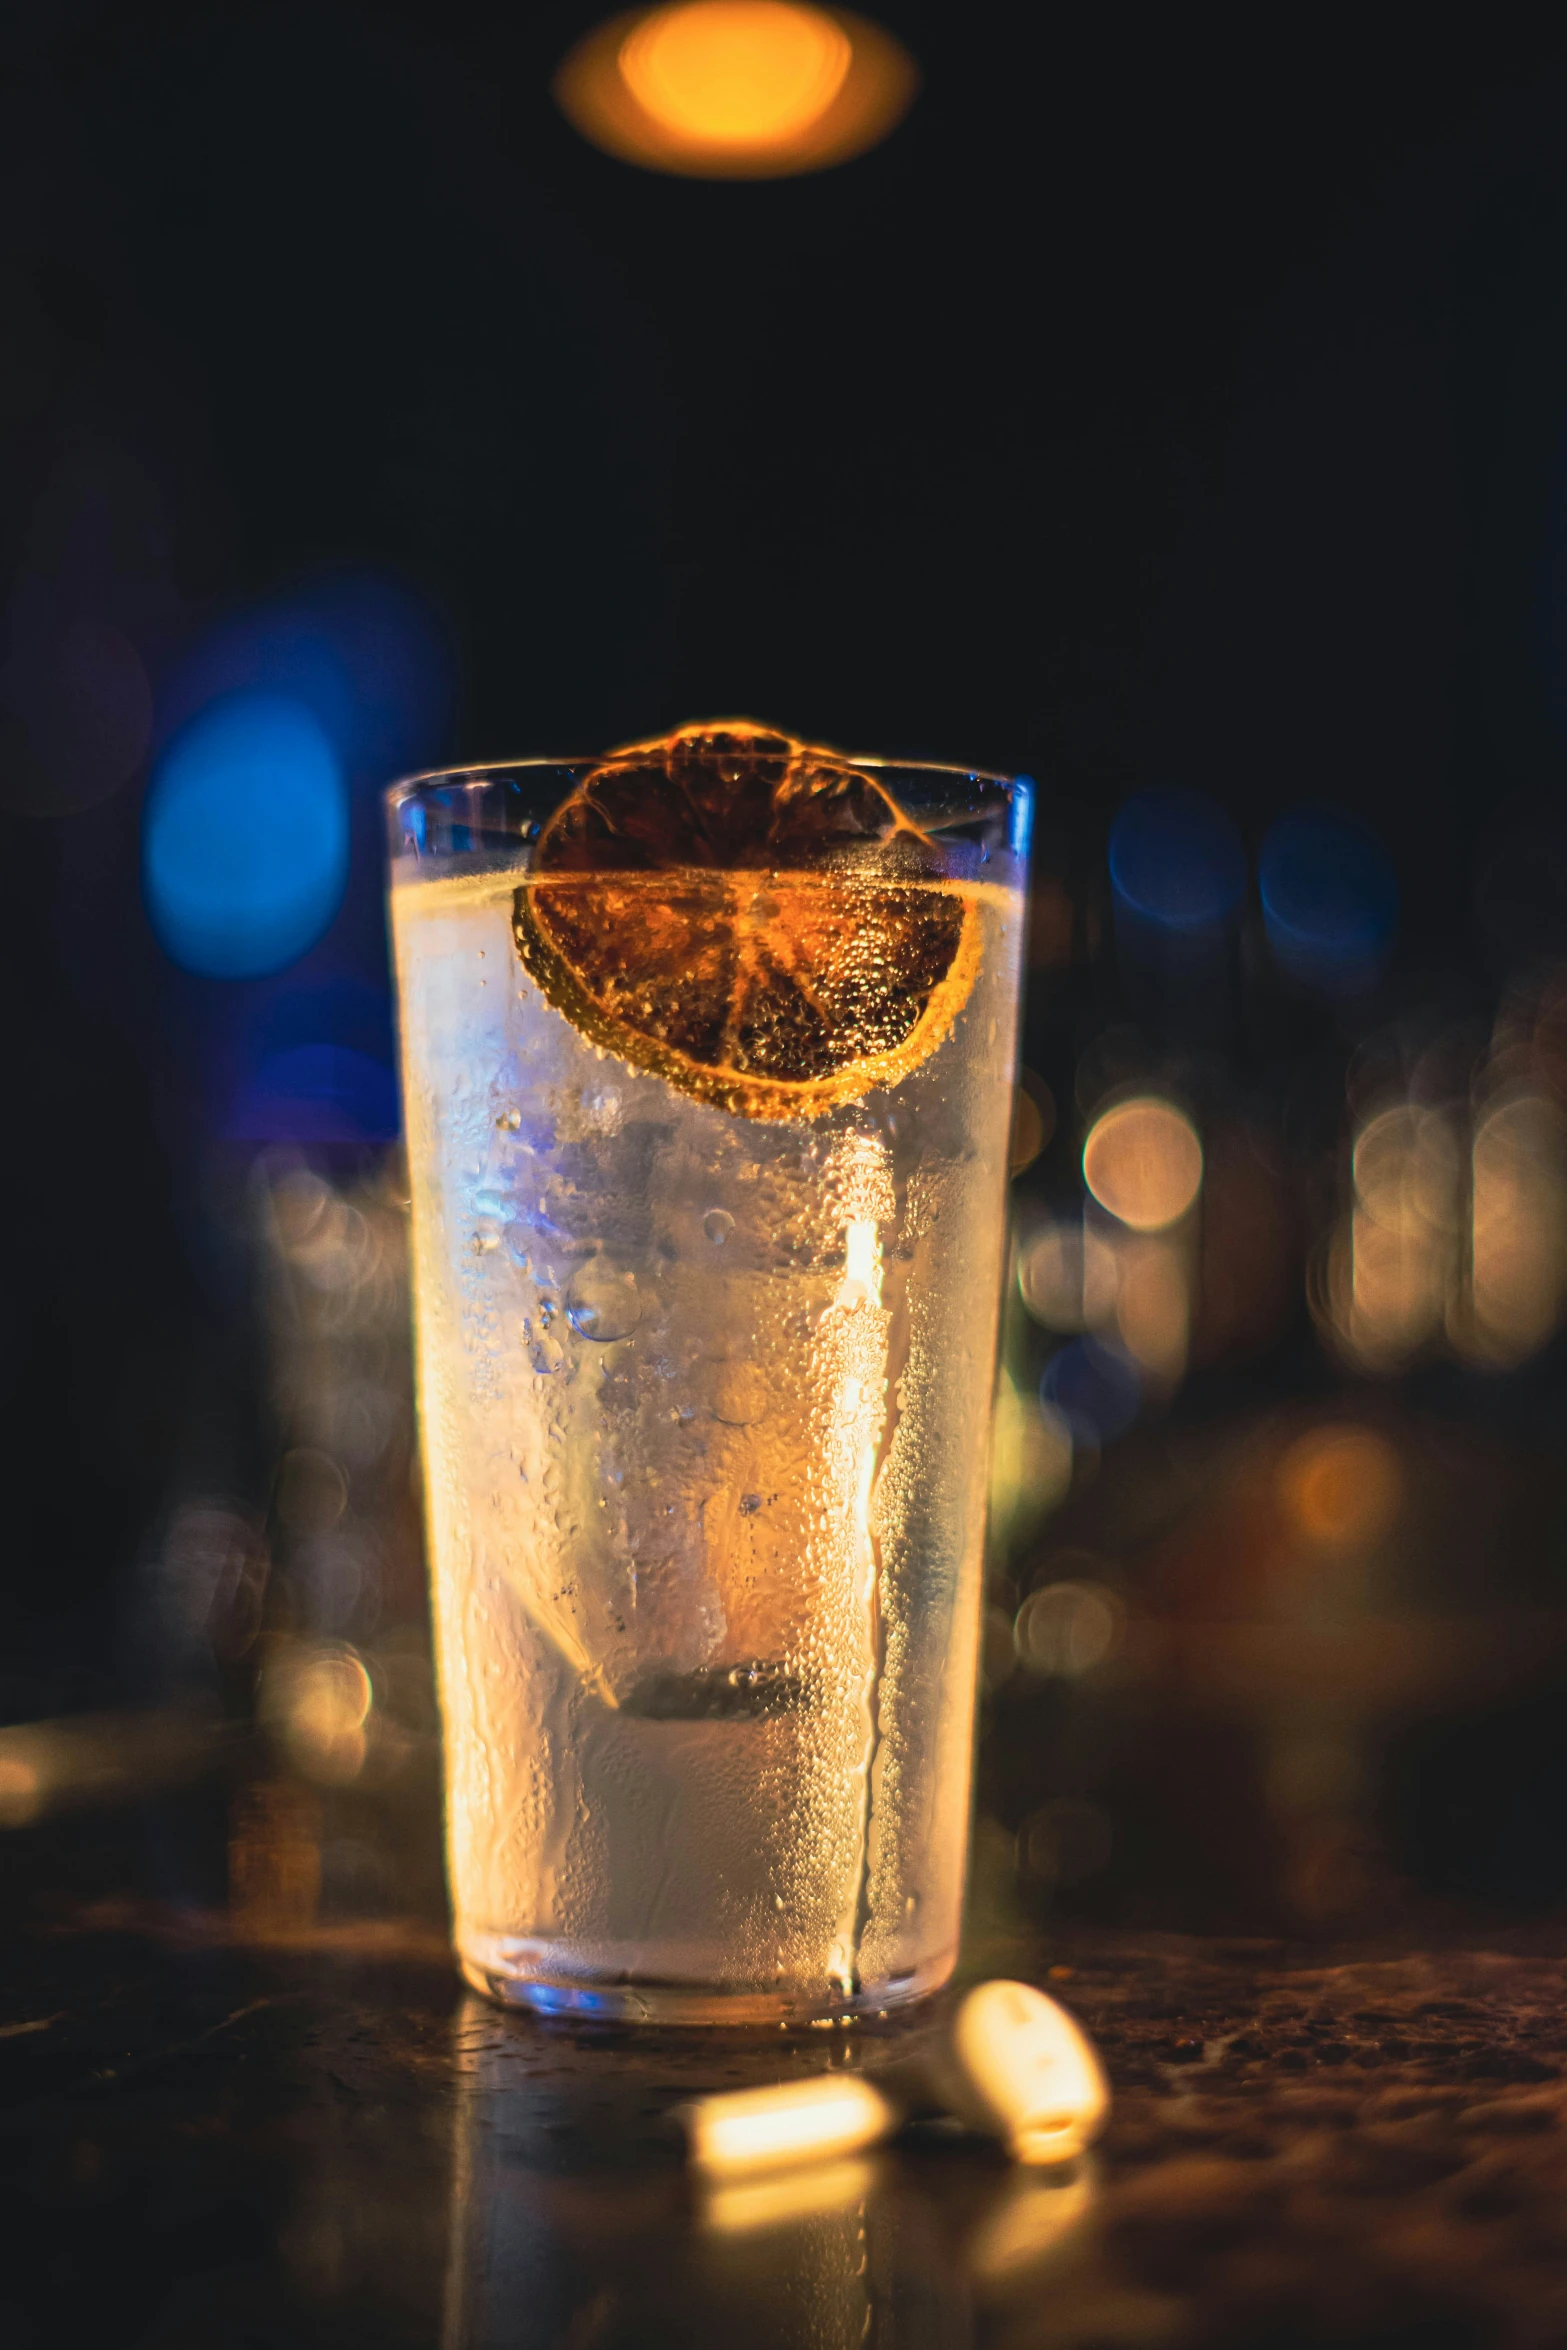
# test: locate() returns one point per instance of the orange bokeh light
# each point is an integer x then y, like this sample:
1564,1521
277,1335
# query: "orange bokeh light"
735,72
736,89
1341,1486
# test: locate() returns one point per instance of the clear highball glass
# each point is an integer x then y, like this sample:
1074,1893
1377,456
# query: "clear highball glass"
708,1062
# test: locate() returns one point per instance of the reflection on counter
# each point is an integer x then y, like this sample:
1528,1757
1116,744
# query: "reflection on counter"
572,2218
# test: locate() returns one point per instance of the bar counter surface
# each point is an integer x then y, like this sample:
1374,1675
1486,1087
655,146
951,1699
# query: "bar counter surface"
327,2140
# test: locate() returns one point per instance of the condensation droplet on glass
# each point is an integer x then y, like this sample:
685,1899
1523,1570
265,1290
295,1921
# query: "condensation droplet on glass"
509,1121
718,1224
602,1303
739,1394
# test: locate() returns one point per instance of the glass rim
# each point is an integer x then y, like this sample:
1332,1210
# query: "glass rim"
481,771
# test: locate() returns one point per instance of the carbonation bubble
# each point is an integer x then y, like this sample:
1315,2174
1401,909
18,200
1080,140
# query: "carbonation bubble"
718,1224
602,1302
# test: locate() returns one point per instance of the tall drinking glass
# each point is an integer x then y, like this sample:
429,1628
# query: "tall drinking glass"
708,1063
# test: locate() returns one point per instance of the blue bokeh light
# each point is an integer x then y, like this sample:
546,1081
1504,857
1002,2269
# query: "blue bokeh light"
358,651
317,1093
309,1058
1176,861
1329,900
1096,1389
245,846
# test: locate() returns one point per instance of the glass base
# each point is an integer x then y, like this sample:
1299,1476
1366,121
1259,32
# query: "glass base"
517,1973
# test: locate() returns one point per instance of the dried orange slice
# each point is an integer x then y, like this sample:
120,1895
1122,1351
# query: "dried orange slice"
749,917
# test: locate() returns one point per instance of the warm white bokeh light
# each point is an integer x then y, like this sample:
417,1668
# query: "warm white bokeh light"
1068,1276
1065,1629
1518,1248
1394,1289
1033,1119
736,72
1406,1163
1153,1305
1143,1163
318,1702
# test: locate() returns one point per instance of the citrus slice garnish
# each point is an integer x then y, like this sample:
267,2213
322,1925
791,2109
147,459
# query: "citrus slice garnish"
749,917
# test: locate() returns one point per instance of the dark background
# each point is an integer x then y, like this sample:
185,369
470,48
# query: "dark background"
1170,399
